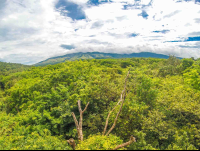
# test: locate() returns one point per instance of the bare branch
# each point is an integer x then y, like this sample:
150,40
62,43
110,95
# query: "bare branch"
79,106
132,139
79,124
80,127
85,107
104,131
75,120
113,126
122,98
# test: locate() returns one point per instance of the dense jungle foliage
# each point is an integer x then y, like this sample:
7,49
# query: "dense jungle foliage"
7,68
161,109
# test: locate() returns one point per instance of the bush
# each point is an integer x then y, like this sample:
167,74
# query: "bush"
125,64
145,92
186,63
33,141
100,142
181,143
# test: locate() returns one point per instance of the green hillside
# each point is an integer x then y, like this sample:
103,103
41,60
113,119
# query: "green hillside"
7,68
161,107
97,55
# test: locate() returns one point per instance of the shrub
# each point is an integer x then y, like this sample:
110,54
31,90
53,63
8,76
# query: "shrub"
100,142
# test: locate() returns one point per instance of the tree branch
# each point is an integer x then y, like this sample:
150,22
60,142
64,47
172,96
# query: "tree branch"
75,120
113,126
79,124
104,131
132,139
86,107
122,98
79,106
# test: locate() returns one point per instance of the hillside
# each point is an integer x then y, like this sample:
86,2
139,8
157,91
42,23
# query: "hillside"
7,68
97,55
161,108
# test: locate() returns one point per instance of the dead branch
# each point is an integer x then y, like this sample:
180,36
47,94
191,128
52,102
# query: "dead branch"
122,98
79,124
132,140
86,107
75,120
79,106
104,131
113,126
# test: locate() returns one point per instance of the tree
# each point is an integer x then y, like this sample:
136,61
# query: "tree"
79,125
187,63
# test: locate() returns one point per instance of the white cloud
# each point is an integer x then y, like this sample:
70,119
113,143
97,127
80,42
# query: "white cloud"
80,2
35,30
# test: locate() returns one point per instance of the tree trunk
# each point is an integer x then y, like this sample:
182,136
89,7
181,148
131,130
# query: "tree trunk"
79,124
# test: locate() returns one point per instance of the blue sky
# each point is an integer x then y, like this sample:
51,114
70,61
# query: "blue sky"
34,30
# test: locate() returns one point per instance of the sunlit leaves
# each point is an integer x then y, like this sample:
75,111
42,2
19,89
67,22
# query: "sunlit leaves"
162,104
99,142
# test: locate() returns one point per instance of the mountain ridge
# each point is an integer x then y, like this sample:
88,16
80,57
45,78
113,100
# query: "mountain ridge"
98,55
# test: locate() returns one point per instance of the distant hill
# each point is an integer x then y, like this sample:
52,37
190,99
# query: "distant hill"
97,55
7,68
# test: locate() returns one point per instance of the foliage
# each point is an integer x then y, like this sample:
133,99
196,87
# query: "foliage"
187,63
34,141
99,142
145,91
161,109
192,78
181,143
172,66
141,143
7,68
125,64
15,136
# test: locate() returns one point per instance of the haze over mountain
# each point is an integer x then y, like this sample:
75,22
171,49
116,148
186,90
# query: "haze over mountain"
32,31
97,55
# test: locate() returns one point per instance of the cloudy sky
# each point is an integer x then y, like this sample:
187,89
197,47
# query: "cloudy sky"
34,30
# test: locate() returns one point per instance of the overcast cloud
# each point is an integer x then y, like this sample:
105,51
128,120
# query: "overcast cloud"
34,30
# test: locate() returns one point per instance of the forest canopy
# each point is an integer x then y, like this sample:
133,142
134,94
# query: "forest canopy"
161,108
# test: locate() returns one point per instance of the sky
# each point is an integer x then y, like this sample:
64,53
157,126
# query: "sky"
34,30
